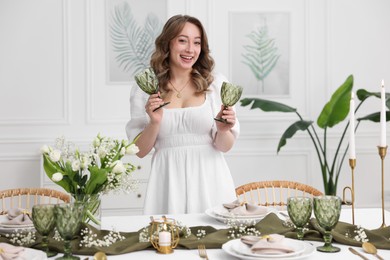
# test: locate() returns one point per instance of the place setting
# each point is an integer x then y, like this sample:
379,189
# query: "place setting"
277,246
239,212
16,220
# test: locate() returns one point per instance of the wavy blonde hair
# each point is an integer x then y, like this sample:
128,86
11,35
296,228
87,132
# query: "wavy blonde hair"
201,75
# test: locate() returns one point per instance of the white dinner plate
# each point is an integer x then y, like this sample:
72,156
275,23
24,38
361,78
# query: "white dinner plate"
298,247
210,213
33,254
228,248
223,212
243,219
11,228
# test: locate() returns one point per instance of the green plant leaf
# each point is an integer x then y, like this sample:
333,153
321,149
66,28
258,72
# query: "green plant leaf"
267,105
375,117
336,110
96,180
50,168
363,94
291,131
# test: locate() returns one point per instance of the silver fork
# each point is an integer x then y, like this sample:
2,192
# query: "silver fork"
202,251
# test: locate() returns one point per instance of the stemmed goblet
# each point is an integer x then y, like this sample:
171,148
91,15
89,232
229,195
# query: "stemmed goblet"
230,94
299,209
69,217
148,82
327,212
44,219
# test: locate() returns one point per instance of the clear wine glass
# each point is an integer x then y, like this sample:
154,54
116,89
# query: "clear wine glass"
44,221
69,217
148,82
299,210
230,94
327,212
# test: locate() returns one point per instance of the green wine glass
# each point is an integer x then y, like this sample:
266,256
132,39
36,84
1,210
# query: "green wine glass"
299,210
148,82
69,217
230,94
327,212
44,221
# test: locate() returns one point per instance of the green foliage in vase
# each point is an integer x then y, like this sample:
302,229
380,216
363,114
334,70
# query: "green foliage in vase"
334,112
261,57
132,43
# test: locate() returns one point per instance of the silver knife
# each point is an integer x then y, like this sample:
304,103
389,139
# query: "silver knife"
357,253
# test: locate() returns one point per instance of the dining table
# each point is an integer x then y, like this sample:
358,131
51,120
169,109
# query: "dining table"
368,218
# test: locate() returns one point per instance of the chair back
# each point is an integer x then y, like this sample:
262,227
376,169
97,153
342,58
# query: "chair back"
273,193
25,198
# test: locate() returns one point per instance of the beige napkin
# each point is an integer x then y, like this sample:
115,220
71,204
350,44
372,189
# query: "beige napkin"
244,209
270,244
18,216
8,251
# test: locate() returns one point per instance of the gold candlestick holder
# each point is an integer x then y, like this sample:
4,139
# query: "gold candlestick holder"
352,164
382,150
164,234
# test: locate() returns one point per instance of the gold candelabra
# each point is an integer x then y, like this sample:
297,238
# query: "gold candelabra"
164,234
382,150
352,164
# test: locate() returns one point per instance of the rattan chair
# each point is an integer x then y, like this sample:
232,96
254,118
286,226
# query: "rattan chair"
273,193
25,198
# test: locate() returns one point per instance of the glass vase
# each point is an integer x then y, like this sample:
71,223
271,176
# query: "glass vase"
92,205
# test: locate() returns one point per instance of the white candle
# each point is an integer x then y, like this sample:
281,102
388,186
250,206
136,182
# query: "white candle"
383,115
164,238
352,153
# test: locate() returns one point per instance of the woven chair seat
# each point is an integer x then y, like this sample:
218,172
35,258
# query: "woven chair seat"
273,193
25,198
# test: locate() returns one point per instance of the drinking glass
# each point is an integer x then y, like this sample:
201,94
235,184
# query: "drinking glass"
299,209
327,212
230,94
69,216
44,220
148,82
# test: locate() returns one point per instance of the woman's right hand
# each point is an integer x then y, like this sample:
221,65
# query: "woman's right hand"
154,102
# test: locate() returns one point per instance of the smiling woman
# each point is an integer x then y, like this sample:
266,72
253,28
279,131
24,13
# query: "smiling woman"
189,173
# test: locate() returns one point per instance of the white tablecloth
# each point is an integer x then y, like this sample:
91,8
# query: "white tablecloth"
367,218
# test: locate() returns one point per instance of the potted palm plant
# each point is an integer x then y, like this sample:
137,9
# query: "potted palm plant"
333,113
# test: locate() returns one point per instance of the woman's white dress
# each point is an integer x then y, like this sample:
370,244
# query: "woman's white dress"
188,174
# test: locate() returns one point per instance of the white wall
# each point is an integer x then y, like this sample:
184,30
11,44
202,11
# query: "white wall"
53,82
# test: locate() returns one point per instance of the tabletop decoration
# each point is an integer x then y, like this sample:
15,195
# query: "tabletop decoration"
44,222
68,221
164,235
148,82
299,209
327,211
86,176
333,113
230,94
359,234
215,238
89,238
22,238
352,156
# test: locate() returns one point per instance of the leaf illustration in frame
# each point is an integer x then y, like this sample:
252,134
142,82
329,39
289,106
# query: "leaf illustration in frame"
132,43
262,56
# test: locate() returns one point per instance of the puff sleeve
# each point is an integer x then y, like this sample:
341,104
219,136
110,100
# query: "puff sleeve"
139,118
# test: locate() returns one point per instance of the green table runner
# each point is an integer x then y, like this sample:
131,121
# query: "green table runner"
215,238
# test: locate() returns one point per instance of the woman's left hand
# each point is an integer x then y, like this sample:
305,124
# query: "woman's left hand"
228,114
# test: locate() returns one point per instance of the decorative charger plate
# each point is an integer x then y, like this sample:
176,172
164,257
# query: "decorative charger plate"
298,247
229,246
